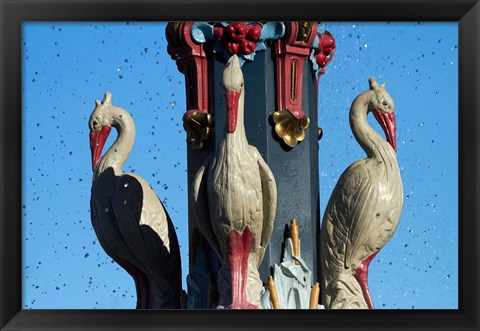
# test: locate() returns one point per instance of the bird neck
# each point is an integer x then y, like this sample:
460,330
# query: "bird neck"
118,153
371,142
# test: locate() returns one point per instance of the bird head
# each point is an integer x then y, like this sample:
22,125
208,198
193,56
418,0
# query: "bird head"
383,108
233,85
100,125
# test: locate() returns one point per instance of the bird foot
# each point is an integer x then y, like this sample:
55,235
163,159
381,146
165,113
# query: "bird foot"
242,305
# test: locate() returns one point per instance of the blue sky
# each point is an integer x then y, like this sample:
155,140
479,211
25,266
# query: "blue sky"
66,66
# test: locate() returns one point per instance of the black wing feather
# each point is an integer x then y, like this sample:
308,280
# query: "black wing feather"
127,206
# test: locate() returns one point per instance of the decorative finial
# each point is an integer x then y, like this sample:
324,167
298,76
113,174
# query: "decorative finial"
273,293
107,99
295,238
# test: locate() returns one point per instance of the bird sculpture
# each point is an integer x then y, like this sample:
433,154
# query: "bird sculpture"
129,220
234,197
365,206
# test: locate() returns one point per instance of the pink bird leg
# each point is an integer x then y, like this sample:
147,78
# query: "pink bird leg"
239,250
361,275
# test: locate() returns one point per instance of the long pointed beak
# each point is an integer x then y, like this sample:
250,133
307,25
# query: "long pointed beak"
389,125
97,141
232,98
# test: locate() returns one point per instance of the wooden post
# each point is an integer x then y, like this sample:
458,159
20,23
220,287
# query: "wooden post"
281,77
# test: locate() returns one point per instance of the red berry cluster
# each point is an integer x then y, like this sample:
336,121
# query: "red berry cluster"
324,50
238,37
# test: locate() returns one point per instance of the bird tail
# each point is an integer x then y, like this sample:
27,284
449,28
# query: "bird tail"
161,294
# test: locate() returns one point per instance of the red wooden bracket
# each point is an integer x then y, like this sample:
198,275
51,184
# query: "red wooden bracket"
290,54
192,61
195,63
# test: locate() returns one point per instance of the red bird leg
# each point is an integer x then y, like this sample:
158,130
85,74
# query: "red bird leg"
361,275
247,238
239,250
235,247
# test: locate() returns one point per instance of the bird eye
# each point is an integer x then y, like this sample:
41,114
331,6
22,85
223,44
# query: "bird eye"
95,123
384,103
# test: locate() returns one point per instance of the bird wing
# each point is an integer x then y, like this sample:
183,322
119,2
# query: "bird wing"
154,214
199,201
105,225
127,204
269,192
359,195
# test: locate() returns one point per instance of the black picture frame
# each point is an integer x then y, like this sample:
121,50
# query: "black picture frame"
13,12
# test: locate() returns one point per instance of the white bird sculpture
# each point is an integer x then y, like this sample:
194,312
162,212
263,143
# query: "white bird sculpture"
129,220
235,196
364,209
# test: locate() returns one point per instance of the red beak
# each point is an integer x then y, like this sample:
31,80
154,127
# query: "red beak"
389,125
232,97
97,141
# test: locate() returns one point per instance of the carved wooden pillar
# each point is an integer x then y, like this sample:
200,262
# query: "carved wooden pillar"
195,63
281,65
290,54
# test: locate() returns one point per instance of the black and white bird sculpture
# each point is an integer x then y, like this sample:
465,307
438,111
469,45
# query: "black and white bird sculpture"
365,206
129,220
234,198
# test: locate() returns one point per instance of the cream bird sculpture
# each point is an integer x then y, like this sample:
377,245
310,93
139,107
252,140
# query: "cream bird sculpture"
365,206
234,198
129,220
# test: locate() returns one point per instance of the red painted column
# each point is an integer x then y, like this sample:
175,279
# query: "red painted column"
193,61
